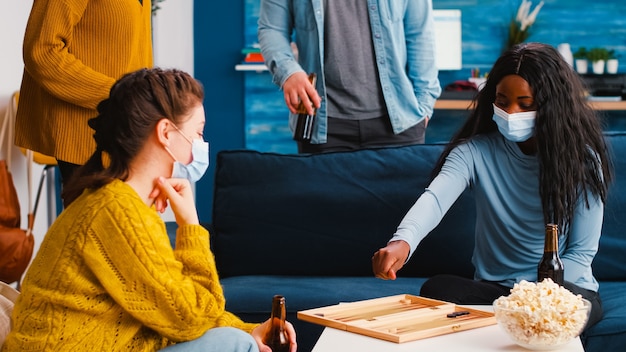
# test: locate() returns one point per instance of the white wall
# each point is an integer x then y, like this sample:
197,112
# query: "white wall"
173,35
13,17
173,44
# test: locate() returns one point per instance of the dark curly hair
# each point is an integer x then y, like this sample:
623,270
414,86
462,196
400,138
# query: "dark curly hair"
573,155
136,103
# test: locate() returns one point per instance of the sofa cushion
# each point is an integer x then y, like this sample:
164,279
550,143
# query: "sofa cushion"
347,206
8,296
610,332
253,293
609,261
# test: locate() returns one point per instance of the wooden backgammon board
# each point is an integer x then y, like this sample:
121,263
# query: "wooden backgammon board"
399,318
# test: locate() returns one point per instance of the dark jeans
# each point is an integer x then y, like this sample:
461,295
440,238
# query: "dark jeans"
344,135
462,290
67,170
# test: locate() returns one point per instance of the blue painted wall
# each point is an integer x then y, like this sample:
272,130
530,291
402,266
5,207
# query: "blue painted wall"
218,39
245,110
578,22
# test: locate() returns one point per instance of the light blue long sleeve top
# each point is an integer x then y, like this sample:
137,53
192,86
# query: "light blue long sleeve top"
403,37
510,227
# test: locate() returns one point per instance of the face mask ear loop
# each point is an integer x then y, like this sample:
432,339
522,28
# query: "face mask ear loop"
170,152
182,134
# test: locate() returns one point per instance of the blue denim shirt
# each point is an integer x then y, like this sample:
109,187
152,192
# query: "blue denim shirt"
404,44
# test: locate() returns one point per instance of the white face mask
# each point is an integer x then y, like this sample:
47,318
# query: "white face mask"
517,127
199,162
198,165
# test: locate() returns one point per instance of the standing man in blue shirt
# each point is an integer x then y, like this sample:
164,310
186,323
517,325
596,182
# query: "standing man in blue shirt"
375,62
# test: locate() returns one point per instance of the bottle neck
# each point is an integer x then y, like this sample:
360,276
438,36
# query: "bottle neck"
551,244
278,310
276,336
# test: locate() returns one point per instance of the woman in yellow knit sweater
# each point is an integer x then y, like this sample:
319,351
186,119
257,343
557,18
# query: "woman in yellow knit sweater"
73,53
106,277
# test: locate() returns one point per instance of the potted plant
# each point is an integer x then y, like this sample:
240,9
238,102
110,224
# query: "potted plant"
519,27
612,63
580,60
598,57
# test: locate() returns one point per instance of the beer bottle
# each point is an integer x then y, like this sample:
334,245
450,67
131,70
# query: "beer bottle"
304,121
276,336
550,265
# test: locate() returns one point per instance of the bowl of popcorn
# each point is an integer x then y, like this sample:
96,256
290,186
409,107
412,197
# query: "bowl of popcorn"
541,316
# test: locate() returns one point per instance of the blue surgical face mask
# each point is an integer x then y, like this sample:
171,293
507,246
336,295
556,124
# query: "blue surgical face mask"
198,165
517,127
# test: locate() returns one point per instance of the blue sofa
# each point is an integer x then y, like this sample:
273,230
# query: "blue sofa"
306,226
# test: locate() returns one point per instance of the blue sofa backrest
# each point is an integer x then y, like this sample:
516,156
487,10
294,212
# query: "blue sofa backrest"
610,262
326,214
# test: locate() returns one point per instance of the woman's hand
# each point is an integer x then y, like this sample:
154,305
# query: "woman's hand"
178,193
260,331
387,261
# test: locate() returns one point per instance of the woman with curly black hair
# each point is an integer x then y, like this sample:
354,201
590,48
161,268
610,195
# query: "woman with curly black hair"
533,153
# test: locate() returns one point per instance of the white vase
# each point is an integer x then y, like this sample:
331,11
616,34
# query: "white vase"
581,66
566,52
611,66
598,67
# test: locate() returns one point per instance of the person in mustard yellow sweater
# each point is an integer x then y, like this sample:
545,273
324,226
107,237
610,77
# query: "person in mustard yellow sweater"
73,53
106,277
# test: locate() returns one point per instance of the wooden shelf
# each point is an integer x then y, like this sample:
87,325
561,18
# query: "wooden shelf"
457,104
450,104
609,105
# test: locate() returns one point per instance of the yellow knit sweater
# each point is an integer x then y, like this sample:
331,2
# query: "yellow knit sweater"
73,53
107,279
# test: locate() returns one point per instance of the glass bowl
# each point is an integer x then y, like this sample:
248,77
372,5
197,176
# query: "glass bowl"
542,329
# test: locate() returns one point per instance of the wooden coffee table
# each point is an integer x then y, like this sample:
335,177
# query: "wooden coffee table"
489,338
